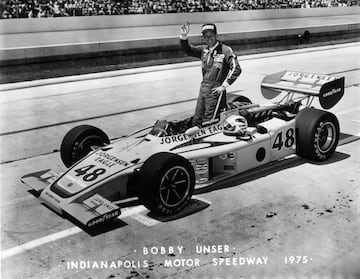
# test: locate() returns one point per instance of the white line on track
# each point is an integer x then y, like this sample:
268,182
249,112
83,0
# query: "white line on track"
136,213
144,219
59,235
38,242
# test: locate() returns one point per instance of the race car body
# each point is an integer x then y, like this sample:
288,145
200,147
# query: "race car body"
162,164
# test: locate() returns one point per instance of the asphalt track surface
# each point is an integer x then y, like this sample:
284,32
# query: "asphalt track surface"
289,208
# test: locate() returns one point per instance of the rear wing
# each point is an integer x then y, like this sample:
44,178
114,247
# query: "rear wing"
329,89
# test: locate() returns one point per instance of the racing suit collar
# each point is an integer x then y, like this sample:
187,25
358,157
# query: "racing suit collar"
211,49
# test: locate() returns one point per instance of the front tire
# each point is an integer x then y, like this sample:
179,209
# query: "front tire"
78,142
167,183
317,134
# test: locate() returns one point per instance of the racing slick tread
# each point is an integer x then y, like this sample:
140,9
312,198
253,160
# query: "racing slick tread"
308,121
150,176
68,149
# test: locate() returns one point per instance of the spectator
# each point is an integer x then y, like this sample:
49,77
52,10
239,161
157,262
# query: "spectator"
58,8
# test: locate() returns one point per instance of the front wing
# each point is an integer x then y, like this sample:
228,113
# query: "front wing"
89,212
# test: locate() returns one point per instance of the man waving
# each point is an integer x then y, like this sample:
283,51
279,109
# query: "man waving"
220,68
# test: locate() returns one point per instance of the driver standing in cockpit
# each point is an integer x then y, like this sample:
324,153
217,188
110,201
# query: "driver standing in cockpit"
220,68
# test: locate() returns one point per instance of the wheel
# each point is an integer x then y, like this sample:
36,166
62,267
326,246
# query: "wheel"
239,99
167,183
78,142
317,134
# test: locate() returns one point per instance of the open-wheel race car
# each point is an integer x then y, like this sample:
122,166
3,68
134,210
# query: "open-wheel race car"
162,164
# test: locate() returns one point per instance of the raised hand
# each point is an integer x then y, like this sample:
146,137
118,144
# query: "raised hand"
185,29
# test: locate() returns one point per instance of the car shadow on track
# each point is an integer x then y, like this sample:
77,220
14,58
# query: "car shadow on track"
347,138
273,167
194,206
104,228
263,171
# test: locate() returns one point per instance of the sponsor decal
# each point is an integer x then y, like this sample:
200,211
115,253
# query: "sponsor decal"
51,196
229,167
109,160
332,92
231,155
201,167
219,58
223,156
99,204
176,138
206,131
307,77
209,130
103,218
97,200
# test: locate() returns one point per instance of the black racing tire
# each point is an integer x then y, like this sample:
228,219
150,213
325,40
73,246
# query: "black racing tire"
167,183
317,134
238,98
78,141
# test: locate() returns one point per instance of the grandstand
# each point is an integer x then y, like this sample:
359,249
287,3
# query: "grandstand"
63,8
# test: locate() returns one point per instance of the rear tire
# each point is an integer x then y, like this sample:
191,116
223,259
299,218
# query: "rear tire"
78,141
317,134
167,183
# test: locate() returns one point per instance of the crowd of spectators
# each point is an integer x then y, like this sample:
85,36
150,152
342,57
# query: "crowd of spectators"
58,8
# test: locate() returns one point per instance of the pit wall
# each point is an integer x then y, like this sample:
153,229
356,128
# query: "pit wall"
160,48
13,26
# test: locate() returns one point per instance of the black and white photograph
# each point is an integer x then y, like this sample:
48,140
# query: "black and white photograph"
201,139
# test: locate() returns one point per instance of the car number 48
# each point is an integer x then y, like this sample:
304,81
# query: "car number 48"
89,176
286,140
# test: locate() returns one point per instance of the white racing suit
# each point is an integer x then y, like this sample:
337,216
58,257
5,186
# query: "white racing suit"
220,67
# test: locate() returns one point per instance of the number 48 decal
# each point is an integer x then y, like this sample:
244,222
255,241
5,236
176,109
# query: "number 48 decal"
288,141
89,176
